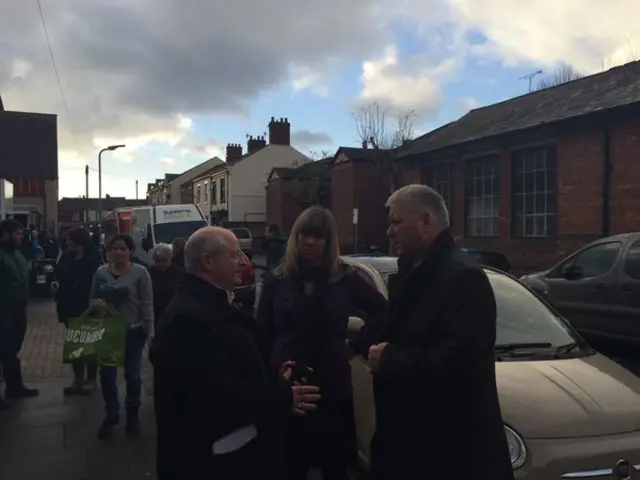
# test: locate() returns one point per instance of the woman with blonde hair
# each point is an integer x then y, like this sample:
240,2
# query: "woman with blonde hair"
303,318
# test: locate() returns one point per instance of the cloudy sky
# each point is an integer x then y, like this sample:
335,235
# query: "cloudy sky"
177,80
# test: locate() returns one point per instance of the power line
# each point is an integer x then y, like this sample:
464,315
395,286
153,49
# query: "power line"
55,71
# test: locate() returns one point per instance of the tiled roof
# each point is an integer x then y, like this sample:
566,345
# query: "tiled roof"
318,168
617,87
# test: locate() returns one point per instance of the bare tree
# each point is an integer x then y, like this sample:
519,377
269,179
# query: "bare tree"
377,129
319,154
563,74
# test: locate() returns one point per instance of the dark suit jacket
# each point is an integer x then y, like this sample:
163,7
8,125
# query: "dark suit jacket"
209,381
438,414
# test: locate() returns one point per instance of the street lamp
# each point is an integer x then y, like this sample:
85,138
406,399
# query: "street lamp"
110,148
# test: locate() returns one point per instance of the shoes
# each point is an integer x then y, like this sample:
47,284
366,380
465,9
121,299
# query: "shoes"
107,426
21,392
75,388
132,426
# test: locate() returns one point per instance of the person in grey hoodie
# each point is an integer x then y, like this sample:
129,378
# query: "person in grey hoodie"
124,288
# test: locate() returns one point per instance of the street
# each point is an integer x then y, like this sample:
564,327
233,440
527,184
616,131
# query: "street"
54,437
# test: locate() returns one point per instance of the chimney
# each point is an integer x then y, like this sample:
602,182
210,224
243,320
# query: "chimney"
255,143
279,131
234,152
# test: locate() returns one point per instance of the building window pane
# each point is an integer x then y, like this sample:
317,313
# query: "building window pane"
214,192
534,192
438,177
483,196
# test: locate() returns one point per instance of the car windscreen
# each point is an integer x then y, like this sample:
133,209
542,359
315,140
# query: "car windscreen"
168,232
241,233
523,318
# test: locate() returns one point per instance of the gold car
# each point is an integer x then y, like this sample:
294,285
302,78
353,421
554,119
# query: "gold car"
569,412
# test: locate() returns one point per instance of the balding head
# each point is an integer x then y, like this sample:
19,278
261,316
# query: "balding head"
212,253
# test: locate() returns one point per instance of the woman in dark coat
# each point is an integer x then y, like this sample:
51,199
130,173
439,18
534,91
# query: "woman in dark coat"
303,317
74,275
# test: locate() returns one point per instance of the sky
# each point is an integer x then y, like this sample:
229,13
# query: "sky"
176,81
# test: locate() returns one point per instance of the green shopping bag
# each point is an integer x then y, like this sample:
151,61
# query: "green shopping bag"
96,335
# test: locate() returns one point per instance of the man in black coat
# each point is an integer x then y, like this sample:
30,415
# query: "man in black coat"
438,414
219,413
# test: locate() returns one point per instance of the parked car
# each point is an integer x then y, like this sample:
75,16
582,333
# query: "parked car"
568,411
245,293
489,258
597,288
245,239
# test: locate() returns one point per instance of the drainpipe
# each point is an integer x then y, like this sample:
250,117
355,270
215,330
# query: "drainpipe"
607,167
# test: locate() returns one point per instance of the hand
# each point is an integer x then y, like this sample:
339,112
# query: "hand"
98,303
286,369
375,352
150,339
55,286
305,398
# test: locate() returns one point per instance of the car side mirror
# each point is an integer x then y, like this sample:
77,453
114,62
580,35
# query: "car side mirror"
147,244
354,326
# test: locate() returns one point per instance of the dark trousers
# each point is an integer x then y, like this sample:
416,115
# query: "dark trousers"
136,340
324,439
13,327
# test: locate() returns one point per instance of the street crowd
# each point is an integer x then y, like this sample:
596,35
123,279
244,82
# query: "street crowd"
269,396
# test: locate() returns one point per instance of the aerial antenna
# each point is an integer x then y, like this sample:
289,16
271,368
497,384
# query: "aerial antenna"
530,78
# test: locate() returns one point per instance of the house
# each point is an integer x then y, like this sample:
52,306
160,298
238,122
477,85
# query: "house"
234,192
539,175
176,188
29,159
291,190
159,192
75,212
359,191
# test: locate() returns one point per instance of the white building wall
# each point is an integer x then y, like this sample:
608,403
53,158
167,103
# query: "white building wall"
248,179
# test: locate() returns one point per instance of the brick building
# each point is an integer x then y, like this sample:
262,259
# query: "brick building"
291,190
357,183
539,175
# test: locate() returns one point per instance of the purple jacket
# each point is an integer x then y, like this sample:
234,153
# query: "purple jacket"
282,306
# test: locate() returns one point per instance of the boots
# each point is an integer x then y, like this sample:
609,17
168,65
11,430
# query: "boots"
78,379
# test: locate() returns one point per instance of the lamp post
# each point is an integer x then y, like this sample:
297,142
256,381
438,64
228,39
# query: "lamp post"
110,148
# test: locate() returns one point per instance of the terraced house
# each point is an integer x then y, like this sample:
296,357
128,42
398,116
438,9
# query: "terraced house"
539,175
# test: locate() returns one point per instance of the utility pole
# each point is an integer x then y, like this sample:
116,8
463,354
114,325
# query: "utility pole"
136,189
530,78
110,148
86,194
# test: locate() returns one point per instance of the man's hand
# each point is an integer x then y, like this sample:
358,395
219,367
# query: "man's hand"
55,286
286,369
305,398
98,303
375,352
150,339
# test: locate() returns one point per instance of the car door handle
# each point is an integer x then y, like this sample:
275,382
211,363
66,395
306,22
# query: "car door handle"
625,288
601,286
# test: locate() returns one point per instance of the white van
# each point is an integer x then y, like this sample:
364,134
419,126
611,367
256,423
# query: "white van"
162,224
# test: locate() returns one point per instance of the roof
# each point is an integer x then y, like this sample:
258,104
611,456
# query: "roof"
358,153
196,171
310,170
108,203
617,87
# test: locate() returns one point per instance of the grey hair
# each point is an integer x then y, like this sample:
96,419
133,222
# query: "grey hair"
422,199
162,251
198,245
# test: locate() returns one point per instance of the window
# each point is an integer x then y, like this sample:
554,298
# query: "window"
591,262
214,192
439,178
206,192
483,196
632,263
197,197
534,192
223,190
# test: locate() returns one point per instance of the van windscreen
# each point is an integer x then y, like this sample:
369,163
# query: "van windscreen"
168,232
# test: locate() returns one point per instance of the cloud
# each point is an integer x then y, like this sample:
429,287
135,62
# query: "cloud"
307,139
167,161
136,72
468,103
403,86
588,34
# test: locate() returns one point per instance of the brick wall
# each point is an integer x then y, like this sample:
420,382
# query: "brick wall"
580,150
